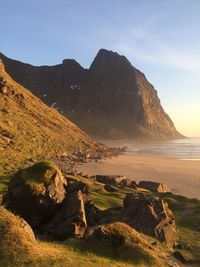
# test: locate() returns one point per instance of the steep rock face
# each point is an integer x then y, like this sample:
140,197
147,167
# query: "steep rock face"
110,99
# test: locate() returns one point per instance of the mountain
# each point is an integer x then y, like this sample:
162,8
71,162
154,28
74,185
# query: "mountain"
110,99
29,129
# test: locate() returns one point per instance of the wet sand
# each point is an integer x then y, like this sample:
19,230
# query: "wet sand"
181,176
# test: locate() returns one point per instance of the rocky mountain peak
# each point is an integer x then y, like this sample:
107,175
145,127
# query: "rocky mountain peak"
109,60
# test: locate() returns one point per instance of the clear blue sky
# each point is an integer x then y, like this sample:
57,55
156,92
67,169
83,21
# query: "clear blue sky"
160,37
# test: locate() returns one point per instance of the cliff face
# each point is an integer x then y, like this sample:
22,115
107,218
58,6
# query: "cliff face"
110,99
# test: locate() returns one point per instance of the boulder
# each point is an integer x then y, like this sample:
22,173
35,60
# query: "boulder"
36,192
115,180
92,213
154,186
70,220
150,216
55,208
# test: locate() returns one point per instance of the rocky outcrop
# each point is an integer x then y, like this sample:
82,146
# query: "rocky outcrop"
70,221
35,193
54,208
150,216
57,208
110,99
153,186
115,180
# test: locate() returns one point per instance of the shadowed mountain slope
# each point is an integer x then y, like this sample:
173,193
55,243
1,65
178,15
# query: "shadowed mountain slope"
29,129
110,99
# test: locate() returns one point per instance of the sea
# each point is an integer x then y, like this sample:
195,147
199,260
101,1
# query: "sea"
183,149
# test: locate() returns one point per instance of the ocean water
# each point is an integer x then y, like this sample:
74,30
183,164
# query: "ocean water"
184,149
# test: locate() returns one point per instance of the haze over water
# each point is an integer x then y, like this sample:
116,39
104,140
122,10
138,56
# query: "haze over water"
184,149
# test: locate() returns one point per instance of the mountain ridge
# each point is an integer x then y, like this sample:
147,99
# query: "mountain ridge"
111,99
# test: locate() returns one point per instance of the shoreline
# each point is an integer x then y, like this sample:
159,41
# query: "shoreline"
181,176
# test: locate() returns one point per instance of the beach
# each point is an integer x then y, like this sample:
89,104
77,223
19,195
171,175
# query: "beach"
181,176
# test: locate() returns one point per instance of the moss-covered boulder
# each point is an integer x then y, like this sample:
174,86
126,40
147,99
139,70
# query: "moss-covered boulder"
126,243
36,192
16,237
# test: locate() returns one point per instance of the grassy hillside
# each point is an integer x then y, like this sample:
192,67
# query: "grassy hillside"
29,129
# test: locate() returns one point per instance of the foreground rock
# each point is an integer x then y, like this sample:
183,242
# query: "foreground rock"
35,193
150,216
153,186
70,221
54,209
92,213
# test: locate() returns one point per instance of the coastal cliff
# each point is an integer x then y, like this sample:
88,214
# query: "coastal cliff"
111,99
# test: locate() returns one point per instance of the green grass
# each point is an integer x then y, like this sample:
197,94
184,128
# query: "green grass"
101,198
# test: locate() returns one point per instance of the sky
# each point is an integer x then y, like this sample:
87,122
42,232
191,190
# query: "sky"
159,37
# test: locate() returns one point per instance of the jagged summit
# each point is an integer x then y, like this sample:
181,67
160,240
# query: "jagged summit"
108,60
110,99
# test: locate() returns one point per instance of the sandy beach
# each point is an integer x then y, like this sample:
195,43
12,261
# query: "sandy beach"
181,176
